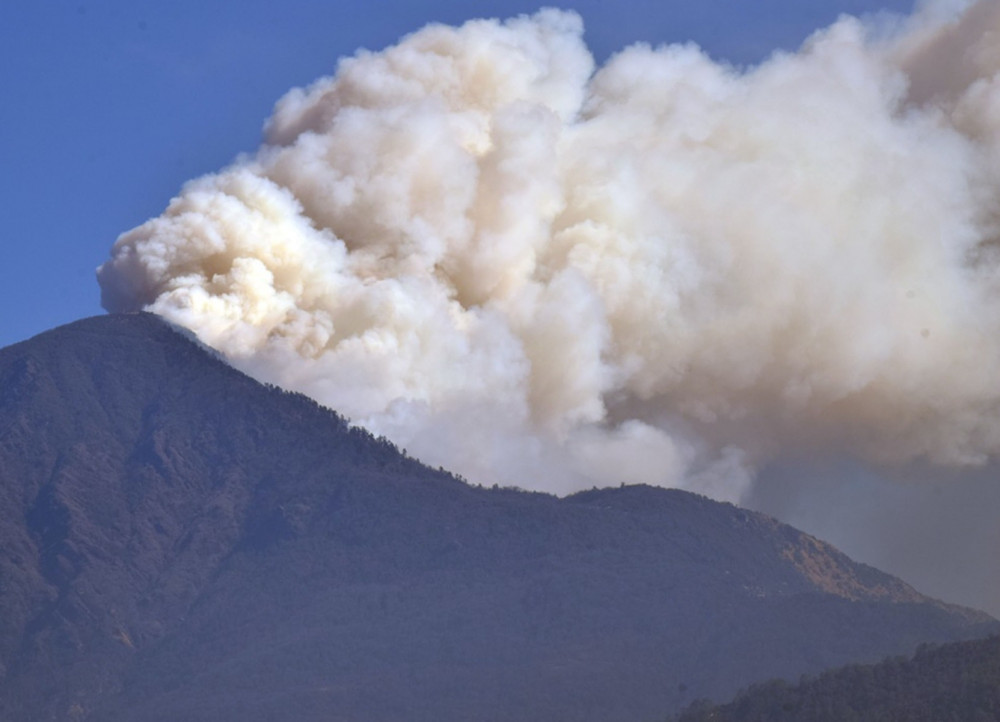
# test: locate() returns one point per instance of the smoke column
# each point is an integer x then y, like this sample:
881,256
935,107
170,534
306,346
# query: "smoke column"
663,270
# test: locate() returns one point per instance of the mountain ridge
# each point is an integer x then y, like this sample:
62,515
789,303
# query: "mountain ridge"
182,542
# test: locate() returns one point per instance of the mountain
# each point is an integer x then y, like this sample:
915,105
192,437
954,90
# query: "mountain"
959,681
183,543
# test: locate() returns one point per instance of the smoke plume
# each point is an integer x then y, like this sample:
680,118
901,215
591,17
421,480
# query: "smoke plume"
666,270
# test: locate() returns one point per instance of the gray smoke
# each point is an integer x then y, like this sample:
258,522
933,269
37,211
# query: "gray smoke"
665,270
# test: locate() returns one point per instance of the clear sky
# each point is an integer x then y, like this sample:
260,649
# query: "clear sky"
109,106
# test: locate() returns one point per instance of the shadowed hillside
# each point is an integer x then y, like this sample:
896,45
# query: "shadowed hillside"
182,543
959,682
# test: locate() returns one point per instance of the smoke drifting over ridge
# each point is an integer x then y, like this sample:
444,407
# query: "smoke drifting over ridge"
665,271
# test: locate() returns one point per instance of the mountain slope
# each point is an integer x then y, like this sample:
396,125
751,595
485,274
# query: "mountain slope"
181,542
959,681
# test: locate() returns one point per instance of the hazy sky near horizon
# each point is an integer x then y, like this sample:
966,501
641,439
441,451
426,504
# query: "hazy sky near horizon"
110,106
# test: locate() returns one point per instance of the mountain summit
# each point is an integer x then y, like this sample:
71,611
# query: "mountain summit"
183,543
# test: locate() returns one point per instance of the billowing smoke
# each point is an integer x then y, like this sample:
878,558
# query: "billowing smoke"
664,270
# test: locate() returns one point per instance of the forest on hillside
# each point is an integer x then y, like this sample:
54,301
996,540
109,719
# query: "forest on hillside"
957,682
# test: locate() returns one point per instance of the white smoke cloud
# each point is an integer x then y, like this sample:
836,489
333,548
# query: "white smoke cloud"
666,270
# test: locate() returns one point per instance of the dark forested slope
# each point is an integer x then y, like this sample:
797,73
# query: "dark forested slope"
957,682
181,543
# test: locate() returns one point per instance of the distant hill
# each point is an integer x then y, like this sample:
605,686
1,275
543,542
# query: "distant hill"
957,682
181,543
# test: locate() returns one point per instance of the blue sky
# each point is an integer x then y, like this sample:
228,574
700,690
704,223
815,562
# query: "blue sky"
109,106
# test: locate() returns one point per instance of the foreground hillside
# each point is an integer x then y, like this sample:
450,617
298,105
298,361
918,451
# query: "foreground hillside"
959,682
182,543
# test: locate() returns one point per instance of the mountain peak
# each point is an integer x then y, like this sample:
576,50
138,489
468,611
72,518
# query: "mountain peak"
182,542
